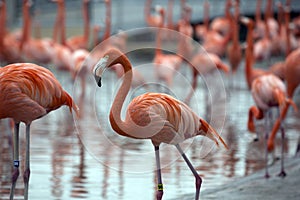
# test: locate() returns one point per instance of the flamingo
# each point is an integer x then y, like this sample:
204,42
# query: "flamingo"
223,24
291,74
234,51
165,64
37,50
250,72
81,41
202,64
9,41
267,91
28,92
202,29
259,30
152,20
155,116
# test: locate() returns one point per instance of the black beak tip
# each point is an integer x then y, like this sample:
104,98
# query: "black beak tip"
98,80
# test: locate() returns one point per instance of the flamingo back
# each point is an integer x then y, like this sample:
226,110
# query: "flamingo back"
29,91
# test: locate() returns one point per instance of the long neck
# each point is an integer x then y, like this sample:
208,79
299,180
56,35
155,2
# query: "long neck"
269,9
147,10
227,9
2,23
63,22
26,24
249,56
206,15
235,36
158,50
115,113
107,20
170,14
288,41
86,22
257,12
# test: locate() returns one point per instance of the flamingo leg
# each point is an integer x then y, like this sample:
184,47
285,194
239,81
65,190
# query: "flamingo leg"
16,161
282,172
160,190
27,162
266,143
197,177
298,148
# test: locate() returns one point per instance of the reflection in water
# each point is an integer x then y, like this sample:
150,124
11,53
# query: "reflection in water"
79,179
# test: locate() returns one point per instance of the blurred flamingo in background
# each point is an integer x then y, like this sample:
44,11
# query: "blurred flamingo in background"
28,92
267,91
155,116
152,20
250,72
222,25
81,41
234,50
165,65
35,50
204,63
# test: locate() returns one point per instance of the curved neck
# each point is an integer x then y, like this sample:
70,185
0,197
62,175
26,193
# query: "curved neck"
115,113
107,20
269,9
249,56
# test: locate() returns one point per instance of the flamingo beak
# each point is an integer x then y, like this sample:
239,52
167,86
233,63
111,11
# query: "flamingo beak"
99,69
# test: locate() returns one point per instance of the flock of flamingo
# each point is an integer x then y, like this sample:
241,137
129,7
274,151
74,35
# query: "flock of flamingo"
29,91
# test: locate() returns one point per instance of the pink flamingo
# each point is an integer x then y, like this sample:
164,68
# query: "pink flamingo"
203,64
37,50
155,116
222,25
165,64
28,92
251,73
234,50
152,20
291,74
267,91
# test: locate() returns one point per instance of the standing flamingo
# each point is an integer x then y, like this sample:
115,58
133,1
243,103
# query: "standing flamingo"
155,116
234,50
152,20
223,24
250,72
81,41
165,64
268,91
291,74
203,64
36,50
28,92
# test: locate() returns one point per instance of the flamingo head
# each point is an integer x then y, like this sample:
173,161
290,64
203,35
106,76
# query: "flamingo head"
110,58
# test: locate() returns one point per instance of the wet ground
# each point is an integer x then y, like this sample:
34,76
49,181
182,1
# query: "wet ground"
84,159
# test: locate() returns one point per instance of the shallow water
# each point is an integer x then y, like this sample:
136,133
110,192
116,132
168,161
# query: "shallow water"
84,159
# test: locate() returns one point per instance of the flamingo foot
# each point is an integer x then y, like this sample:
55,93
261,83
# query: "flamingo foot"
282,174
267,175
159,194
